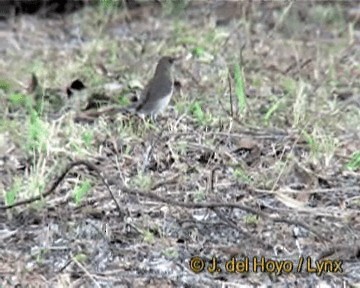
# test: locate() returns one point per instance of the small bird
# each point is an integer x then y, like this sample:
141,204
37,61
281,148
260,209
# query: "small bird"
154,98
157,93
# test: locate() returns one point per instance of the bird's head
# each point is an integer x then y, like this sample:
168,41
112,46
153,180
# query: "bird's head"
165,64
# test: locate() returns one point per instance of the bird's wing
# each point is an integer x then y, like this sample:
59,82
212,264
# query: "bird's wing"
144,95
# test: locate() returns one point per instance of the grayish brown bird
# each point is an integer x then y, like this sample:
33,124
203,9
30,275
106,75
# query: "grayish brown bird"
157,93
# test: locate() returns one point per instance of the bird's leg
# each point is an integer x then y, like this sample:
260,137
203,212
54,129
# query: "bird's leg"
154,121
142,117
153,118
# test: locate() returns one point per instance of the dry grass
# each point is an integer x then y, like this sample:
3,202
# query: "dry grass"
282,160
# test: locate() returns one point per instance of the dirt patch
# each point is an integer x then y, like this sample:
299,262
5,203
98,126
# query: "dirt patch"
256,156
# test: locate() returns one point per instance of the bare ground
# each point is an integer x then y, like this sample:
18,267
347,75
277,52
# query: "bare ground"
277,178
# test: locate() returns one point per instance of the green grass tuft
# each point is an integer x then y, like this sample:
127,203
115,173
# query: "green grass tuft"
37,133
5,85
239,87
354,163
198,113
80,191
11,194
19,99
